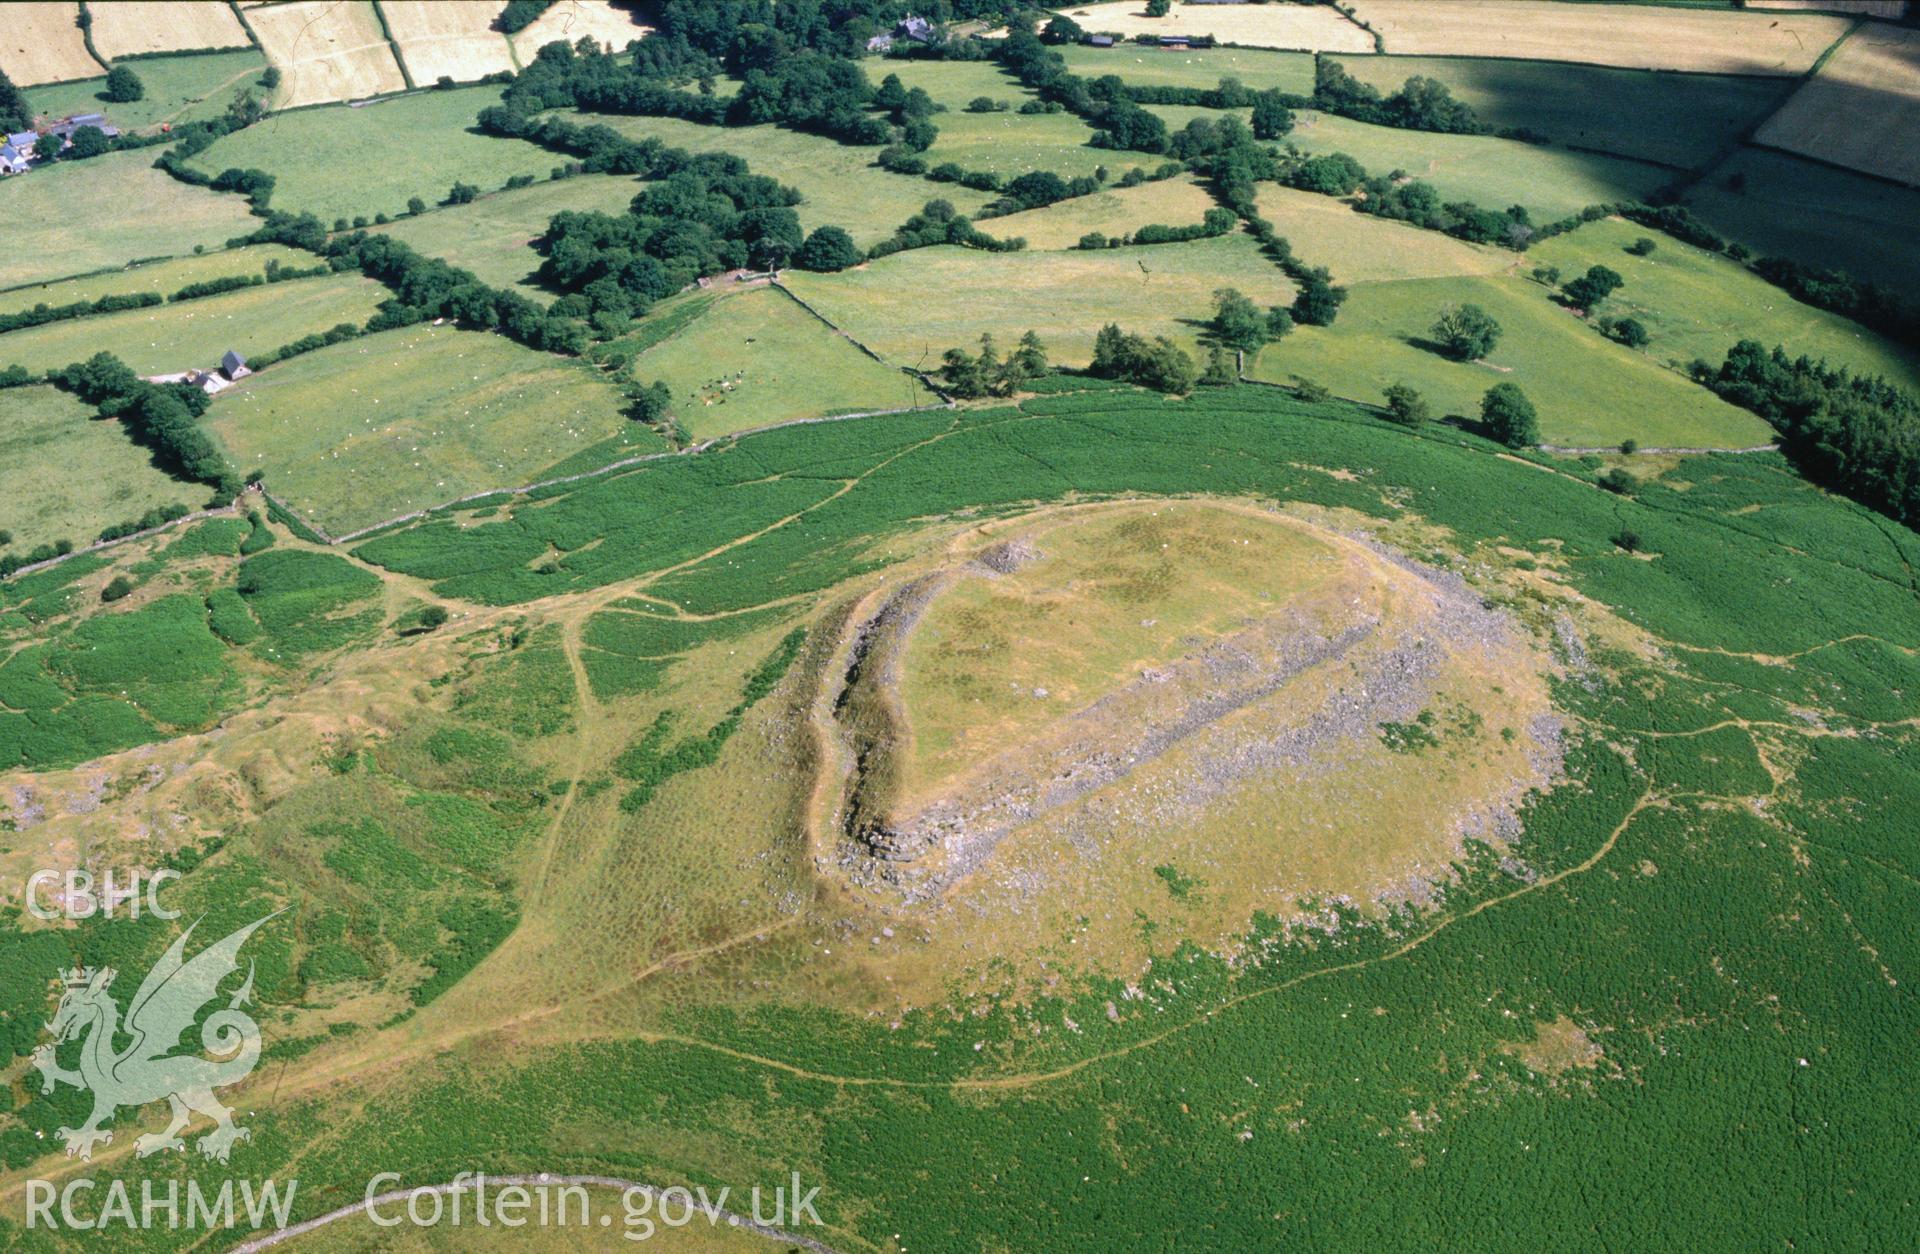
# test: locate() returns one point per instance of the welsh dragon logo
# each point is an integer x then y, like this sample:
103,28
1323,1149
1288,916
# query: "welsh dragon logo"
167,1004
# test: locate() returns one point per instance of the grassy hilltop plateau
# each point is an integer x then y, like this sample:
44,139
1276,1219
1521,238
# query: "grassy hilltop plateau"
1137,625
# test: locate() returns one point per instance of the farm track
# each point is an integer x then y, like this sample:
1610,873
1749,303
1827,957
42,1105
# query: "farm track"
1650,798
574,610
1024,1080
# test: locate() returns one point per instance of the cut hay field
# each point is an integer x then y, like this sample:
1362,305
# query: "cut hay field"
348,162
1697,304
1258,68
1591,392
367,430
1359,248
1494,173
841,185
122,28
42,43
1114,212
753,358
1780,205
327,49
454,38
1862,110
1311,28
574,20
75,474
913,306
179,89
168,339
1638,36
493,236
162,278
82,216
1678,119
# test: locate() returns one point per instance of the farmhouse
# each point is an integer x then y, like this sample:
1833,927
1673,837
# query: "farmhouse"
917,29
233,368
16,150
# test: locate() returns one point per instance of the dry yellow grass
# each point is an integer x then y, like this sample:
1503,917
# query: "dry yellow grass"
1368,249
573,20
1862,110
1632,35
1312,28
1121,211
124,29
327,51
41,43
1043,724
454,38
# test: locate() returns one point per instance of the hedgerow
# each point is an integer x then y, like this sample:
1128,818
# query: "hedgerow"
43,313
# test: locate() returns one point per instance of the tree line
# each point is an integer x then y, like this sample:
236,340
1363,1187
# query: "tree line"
1856,434
159,416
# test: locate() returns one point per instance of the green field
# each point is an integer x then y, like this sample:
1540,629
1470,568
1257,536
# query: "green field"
1680,119
81,216
340,161
1590,391
162,278
403,420
73,474
1664,936
178,89
1493,173
1360,248
1088,820
1697,304
1113,213
913,306
493,236
171,339
953,83
1788,207
753,358
1010,143
841,184
1258,68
